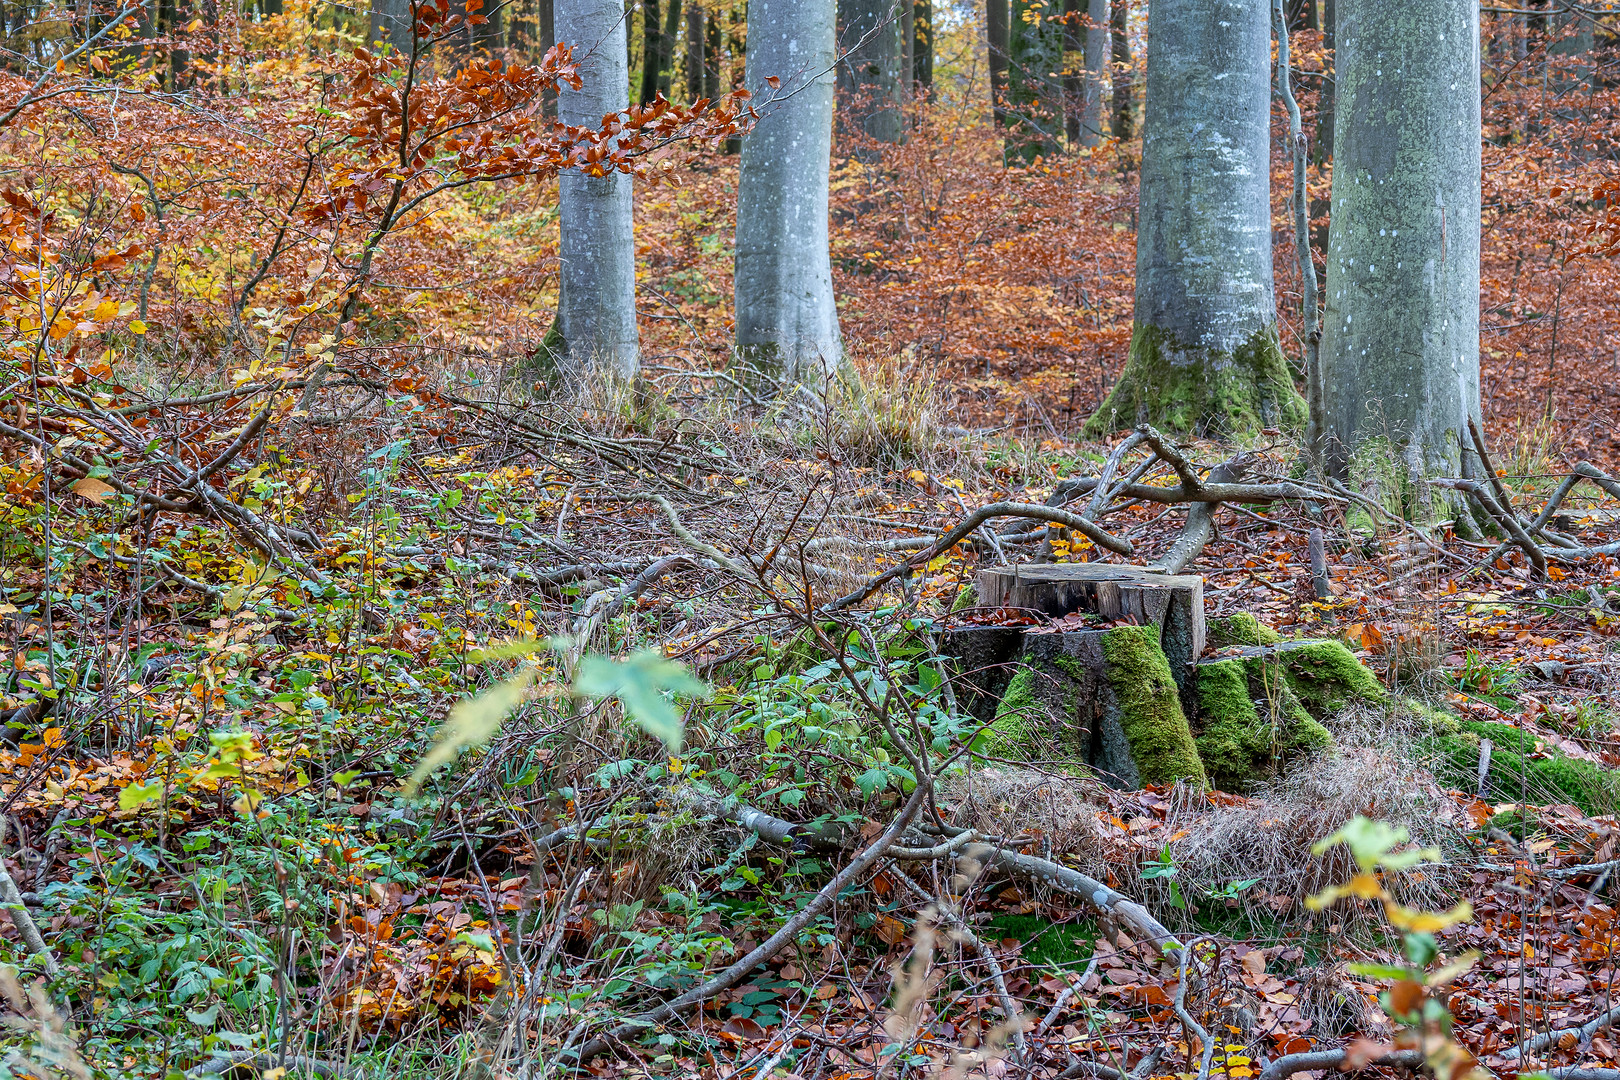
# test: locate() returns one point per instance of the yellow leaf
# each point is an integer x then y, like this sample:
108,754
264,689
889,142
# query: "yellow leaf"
136,326
1414,921
91,488
107,309
471,723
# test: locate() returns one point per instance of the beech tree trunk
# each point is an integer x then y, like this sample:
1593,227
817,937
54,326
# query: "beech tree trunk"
390,24
596,309
787,323
1097,51
1123,121
997,17
694,52
1400,347
922,46
871,73
1204,353
652,37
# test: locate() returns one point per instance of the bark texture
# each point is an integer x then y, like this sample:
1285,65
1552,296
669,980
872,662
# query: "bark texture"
1400,347
1123,84
872,73
596,308
922,46
1098,47
996,19
390,24
787,323
1204,352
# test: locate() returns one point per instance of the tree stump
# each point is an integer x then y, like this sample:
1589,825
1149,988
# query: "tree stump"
1111,698
1171,604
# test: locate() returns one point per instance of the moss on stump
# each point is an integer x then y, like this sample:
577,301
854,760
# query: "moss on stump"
1251,722
1192,389
1149,707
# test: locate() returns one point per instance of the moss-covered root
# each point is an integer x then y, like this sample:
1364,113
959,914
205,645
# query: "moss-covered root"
1150,713
1250,722
1327,677
1523,769
1190,388
1226,631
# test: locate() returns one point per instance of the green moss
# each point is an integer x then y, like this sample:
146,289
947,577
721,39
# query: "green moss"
1326,677
1046,944
1225,631
966,597
1523,771
1238,744
1185,388
1150,709
1012,733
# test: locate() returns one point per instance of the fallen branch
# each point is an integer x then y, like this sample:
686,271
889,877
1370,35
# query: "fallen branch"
968,525
1584,1032
964,933
770,947
1190,1025
1200,527
262,1061
32,940
1505,519
1317,1060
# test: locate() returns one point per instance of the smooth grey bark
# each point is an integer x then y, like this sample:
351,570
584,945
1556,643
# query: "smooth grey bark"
787,322
1400,347
871,72
390,24
1123,83
1097,52
596,306
1204,351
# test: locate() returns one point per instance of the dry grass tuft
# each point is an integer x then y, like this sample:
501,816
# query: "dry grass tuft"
1371,771
1058,809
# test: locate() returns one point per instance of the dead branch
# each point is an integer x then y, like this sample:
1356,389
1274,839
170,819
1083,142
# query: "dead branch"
967,526
1200,527
1584,1032
12,901
788,932
263,1061
1504,518
1190,1025
1317,1060
964,933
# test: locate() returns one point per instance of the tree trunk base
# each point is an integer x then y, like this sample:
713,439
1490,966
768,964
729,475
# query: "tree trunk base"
1191,389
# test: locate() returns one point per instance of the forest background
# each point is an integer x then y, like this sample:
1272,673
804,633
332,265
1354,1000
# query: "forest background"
287,488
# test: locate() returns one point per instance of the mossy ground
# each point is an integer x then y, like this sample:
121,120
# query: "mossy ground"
1524,770
1190,389
1150,707
1047,944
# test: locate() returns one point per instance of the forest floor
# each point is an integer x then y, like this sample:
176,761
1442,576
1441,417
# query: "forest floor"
444,728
